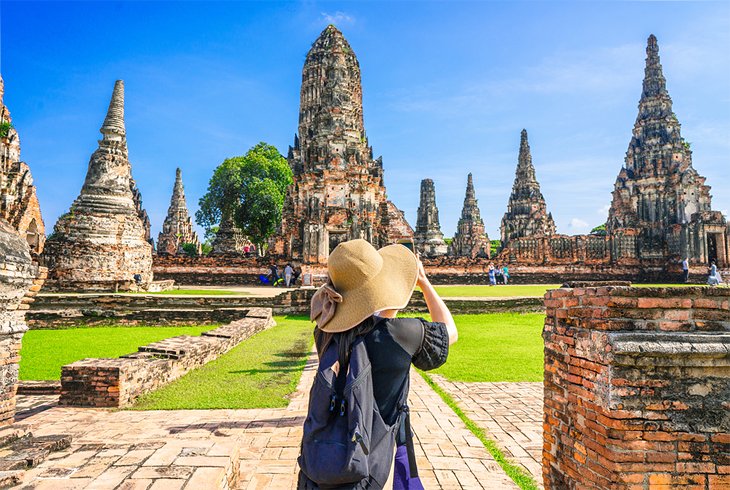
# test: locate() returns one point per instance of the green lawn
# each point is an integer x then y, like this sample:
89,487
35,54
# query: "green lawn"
533,290
259,373
197,292
496,347
44,351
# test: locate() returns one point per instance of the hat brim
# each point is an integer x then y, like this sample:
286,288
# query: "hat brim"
390,289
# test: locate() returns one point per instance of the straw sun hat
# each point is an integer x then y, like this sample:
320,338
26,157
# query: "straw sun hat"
363,281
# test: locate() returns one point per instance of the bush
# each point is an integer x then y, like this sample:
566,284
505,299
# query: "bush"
5,128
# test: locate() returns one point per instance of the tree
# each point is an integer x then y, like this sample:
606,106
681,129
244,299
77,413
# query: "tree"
599,230
250,189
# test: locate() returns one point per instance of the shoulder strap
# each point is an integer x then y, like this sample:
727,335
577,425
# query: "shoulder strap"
404,431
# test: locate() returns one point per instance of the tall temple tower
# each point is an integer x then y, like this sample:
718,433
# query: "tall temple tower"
526,210
18,199
338,192
661,207
177,229
428,238
102,242
470,239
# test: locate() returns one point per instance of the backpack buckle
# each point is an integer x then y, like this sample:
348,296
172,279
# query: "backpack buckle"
342,408
333,401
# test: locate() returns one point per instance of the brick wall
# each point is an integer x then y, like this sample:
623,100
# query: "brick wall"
119,382
637,388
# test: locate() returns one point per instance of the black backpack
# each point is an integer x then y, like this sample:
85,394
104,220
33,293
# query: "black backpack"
346,443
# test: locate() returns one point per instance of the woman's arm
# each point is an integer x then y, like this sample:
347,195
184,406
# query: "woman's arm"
436,306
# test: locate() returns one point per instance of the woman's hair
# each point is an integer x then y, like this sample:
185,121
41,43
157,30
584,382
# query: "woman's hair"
344,339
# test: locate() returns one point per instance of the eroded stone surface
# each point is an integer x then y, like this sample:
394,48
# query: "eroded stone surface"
18,200
338,192
527,213
102,242
470,239
178,226
428,238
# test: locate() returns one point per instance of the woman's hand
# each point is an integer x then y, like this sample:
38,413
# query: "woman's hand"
422,279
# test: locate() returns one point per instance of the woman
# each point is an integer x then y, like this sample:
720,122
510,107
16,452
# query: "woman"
715,278
366,289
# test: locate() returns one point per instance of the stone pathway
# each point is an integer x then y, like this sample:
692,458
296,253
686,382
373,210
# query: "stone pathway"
510,413
199,449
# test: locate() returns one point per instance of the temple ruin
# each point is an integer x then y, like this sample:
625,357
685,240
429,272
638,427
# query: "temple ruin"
661,210
102,243
18,200
661,207
229,239
527,213
338,192
177,228
428,239
470,239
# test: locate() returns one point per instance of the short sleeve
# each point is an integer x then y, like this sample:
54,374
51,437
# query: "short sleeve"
434,348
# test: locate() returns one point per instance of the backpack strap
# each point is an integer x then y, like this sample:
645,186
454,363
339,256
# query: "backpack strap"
404,421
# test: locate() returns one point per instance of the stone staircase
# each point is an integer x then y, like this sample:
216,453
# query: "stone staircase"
21,451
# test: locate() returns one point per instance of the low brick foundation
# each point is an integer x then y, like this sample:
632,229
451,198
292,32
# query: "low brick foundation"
637,388
119,382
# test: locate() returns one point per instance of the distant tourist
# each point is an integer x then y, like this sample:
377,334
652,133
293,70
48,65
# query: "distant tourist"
492,275
274,274
715,278
685,270
505,274
498,274
246,249
288,271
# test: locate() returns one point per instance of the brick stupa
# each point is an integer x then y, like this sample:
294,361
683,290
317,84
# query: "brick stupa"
661,207
527,214
19,205
428,238
338,192
102,243
177,229
470,239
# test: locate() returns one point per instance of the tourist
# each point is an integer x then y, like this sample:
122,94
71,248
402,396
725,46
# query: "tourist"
498,275
492,275
685,270
355,314
715,278
288,271
274,274
505,274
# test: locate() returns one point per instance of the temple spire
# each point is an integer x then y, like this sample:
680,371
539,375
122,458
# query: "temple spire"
470,239
469,197
113,127
654,81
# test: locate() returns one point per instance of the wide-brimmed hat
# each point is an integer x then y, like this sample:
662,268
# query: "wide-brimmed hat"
362,281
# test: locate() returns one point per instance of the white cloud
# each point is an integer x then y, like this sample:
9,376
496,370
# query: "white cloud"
603,211
338,18
578,225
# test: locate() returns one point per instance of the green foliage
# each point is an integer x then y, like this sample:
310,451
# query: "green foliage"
261,372
687,145
45,351
599,230
250,189
190,249
5,128
206,247
495,246
448,241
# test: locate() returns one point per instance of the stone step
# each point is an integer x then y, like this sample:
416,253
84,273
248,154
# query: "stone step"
39,388
28,451
9,479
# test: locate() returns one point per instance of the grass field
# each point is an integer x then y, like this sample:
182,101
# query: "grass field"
260,373
197,292
44,351
496,347
523,290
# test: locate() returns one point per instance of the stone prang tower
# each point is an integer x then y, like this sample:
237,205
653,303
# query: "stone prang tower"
526,214
428,238
470,239
178,226
102,242
661,207
338,192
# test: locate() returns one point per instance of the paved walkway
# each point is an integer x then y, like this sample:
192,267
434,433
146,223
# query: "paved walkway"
510,413
199,449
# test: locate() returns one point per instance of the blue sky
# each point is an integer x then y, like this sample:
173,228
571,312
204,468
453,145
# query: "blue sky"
447,88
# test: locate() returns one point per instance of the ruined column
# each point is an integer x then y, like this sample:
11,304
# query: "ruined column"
229,240
428,238
102,243
637,388
178,226
470,239
527,214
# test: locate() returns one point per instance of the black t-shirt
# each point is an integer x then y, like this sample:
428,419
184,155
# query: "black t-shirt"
395,343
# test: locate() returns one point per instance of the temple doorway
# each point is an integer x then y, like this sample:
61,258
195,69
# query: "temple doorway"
336,238
712,248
